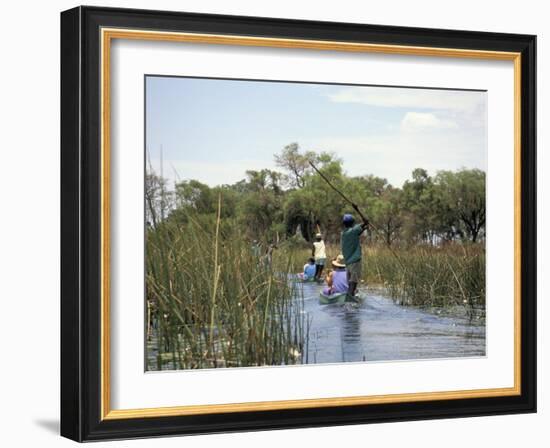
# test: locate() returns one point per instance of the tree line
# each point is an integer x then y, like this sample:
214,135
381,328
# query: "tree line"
296,202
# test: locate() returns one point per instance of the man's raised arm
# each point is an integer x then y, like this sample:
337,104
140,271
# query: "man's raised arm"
363,217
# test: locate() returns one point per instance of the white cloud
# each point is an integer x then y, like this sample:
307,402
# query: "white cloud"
421,121
394,156
451,100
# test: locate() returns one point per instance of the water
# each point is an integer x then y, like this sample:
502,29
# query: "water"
379,330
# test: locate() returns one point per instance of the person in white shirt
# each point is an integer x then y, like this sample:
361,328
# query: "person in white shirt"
319,254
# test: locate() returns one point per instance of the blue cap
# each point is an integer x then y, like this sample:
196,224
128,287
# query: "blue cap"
348,218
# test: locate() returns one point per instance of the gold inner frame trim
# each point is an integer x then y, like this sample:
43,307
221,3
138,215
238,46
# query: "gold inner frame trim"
107,35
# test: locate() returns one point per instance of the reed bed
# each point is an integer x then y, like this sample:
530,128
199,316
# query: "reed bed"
425,276
428,276
213,303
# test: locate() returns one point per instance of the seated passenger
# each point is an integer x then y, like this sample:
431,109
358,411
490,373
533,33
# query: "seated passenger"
309,270
337,280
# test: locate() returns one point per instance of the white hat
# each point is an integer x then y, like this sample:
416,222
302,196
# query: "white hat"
338,262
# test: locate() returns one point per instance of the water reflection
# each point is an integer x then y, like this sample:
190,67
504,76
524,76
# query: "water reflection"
377,330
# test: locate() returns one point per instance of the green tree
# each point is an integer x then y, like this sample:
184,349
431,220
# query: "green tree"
316,206
260,205
268,204
419,205
387,214
463,194
195,195
158,199
295,163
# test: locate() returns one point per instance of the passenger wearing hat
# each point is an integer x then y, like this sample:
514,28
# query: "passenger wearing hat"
319,254
337,280
351,248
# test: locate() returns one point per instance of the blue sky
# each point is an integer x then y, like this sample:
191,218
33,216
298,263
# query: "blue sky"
215,130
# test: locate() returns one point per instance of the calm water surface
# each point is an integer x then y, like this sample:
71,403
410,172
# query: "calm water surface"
375,330
379,330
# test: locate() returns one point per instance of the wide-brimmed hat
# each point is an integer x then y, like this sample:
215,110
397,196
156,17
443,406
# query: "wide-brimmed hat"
338,262
318,235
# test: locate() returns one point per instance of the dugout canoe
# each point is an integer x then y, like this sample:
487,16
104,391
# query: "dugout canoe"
326,299
341,297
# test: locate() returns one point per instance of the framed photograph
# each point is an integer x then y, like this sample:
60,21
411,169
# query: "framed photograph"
273,223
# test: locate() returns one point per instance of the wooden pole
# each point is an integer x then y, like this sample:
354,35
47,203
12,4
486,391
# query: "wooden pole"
330,183
357,208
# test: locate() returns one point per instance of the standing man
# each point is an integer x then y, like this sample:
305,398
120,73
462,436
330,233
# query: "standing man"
319,254
351,249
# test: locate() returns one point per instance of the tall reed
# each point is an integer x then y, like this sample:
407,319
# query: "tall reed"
430,276
427,276
214,303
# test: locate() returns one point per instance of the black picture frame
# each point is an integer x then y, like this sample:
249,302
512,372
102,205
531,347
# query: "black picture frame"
81,224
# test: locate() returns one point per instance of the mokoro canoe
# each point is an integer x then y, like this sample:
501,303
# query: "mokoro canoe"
339,297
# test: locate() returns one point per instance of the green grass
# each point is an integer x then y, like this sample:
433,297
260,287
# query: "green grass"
430,276
426,276
213,303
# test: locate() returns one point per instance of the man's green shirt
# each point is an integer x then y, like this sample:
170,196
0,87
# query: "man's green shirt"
351,245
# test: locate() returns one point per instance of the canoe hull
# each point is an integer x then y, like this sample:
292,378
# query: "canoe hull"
325,299
341,297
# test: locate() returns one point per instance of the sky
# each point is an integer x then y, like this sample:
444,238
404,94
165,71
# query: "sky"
214,130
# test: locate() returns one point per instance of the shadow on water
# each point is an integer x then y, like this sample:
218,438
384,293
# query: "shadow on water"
379,330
